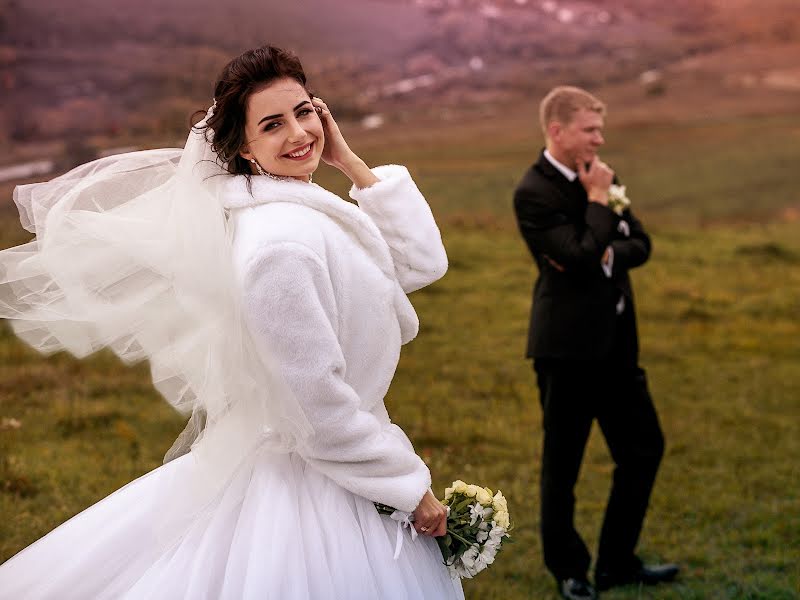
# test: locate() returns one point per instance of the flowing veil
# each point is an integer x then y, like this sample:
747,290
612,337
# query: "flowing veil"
133,253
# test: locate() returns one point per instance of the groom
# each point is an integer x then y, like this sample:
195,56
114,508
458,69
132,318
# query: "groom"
584,346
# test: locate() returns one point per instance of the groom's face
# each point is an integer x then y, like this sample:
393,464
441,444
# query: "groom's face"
580,139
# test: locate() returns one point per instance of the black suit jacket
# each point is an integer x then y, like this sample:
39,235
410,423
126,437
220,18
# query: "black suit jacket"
574,312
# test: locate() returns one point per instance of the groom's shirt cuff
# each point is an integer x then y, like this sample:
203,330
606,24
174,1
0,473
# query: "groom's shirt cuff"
608,263
608,269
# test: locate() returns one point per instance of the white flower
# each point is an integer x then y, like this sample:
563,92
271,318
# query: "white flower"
457,571
483,496
459,487
466,572
478,513
499,502
617,200
502,519
483,532
496,534
487,554
468,558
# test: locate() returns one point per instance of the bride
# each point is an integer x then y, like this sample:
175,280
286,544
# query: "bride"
271,311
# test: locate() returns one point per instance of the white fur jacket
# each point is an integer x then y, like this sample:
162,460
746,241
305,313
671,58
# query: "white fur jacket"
325,284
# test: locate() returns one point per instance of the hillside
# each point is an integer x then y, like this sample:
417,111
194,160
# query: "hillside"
127,73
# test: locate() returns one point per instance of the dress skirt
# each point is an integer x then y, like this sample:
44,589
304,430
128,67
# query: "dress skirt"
277,530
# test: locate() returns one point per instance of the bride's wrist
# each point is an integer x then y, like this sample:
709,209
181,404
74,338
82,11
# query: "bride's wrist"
357,171
349,163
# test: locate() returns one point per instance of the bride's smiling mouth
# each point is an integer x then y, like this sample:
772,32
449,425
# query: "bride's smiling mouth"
301,153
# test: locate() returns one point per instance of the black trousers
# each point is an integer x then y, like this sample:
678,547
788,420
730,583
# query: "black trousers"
573,394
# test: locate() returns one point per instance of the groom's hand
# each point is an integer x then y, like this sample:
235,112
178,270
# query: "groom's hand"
596,178
430,517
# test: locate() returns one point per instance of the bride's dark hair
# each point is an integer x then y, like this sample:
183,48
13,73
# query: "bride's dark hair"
244,75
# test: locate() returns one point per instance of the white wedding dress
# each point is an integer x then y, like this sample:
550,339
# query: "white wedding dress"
276,318
280,530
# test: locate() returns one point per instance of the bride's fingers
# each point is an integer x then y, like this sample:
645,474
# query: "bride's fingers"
441,528
319,103
323,113
428,528
433,528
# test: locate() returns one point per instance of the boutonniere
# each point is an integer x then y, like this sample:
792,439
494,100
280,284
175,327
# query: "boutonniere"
617,200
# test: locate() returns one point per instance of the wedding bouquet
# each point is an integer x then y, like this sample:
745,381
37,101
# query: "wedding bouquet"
617,200
477,524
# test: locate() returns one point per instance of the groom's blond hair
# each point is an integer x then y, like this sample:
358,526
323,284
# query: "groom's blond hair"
562,102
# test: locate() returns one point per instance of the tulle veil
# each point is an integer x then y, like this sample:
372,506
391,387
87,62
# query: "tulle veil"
132,252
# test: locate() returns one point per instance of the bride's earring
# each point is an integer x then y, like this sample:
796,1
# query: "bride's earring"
258,167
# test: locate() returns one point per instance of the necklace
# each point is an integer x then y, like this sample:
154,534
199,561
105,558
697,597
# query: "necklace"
275,177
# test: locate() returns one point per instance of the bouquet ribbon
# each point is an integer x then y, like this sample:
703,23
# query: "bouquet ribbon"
403,520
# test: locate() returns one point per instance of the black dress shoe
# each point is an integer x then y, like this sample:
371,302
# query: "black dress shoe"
646,574
576,589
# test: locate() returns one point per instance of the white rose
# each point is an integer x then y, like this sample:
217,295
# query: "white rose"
501,517
499,502
484,497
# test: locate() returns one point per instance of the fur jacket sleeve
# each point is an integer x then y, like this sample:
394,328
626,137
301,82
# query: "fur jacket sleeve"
405,221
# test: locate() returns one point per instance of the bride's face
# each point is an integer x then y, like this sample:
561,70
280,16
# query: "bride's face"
283,131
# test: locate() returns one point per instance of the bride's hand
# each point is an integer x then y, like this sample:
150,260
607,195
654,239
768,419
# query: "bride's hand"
430,517
337,153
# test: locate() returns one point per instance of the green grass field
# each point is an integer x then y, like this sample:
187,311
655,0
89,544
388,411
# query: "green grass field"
718,310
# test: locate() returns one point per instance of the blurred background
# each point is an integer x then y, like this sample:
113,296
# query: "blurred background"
703,127
87,76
